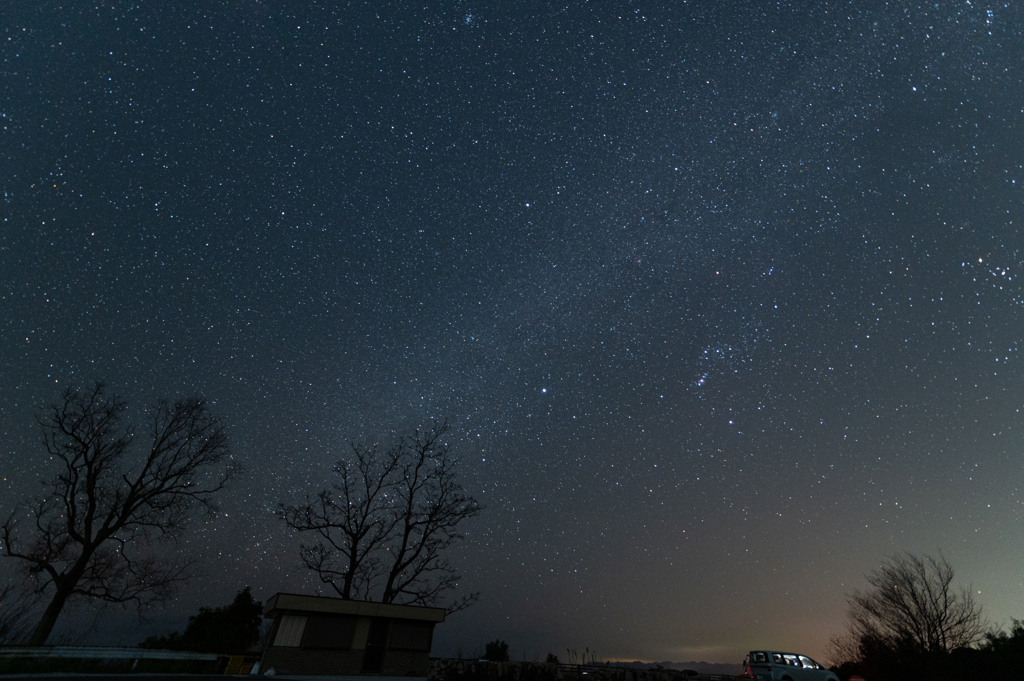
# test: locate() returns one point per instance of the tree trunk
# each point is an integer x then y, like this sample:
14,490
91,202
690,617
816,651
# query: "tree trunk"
346,580
50,615
65,587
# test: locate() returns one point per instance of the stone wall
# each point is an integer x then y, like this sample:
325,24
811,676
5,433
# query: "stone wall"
471,670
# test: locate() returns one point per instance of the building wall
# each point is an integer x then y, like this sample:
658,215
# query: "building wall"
405,663
344,638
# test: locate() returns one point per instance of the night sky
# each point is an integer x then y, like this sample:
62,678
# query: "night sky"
722,299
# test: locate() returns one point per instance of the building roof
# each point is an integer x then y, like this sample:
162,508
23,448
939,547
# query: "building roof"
281,603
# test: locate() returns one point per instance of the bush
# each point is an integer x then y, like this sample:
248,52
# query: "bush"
496,651
233,628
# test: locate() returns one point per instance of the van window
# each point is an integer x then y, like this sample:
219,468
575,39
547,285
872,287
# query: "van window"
759,658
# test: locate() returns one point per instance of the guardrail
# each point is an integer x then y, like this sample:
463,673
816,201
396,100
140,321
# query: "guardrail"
91,653
482,670
637,673
92,660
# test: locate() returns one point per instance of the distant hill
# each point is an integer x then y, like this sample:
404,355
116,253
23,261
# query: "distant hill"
722,668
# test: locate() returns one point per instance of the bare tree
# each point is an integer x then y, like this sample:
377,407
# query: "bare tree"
92,533
913,608
383,530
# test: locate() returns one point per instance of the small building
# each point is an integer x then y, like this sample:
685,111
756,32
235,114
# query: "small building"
315,635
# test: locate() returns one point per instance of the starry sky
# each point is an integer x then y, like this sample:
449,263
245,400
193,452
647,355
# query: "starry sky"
722,299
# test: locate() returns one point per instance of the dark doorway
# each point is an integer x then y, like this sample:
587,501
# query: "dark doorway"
376,644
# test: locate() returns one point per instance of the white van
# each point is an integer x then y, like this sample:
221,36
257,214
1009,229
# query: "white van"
769,665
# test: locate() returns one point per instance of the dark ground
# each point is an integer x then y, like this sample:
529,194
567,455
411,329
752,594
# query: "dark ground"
174,677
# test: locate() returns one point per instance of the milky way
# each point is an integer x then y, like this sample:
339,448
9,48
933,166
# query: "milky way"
721,299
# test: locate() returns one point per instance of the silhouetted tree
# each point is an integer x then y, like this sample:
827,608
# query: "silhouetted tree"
496,651
909,620
1002,652
91,533
383,530
1010,644
231,628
